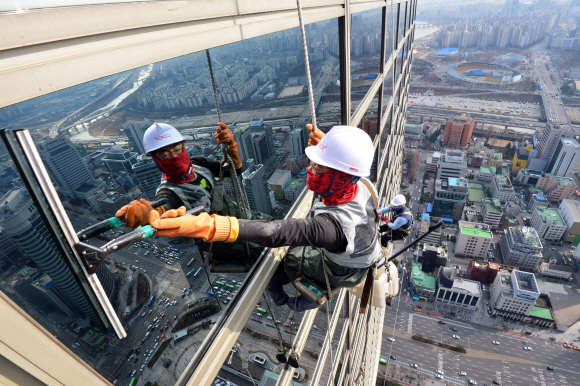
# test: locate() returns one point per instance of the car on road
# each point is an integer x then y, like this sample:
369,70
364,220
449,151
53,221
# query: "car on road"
413,365
441,322
528,348
393,357
550,368
495,342
496,383
439,372
472,382
455,336
390,339
453,329
462,373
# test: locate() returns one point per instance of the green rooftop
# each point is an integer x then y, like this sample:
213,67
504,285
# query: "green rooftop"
535,190
421,279
475,232
487,169
294,183
541,312
476,192
551,214
496,156
494,206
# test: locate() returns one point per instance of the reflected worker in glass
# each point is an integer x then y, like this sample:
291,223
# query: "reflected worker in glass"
343,230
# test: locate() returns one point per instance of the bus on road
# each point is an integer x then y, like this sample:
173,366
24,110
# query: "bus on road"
132,381
190,273
197,273
220,283
229,286
262,310
190,262
151,300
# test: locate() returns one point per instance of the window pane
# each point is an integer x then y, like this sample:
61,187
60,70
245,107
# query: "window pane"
38,4
365,51
402,20
390,30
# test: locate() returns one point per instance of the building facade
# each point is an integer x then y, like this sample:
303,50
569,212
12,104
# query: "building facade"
451,165
548,223
256,187
293,189
148,175
458,131
502,189
296,142
550,138
570,212
521,247
492,211
565,157
556,271
278,182
555,188
473,239
119,160
458,292
450,197
513,294
134,131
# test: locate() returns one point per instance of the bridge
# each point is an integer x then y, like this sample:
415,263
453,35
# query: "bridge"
425,25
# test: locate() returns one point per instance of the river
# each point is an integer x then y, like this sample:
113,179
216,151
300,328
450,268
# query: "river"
422,32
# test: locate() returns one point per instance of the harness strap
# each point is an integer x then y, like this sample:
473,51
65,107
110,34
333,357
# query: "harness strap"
374,196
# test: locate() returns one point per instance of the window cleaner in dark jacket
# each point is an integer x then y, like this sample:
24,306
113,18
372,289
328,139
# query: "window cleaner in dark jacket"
343,230
402,223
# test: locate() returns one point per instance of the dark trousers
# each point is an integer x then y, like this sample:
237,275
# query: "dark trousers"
392,235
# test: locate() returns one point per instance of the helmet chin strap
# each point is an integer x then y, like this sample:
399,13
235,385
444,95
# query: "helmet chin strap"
354,180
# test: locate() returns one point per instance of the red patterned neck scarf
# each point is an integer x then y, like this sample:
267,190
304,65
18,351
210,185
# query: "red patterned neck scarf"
177,170
335,187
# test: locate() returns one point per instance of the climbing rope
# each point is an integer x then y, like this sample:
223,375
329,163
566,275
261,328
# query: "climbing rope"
306,64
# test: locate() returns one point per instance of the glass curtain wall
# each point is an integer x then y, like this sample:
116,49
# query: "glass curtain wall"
90,139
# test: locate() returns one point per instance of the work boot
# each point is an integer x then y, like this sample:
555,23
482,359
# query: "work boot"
278,295
385,238
302,303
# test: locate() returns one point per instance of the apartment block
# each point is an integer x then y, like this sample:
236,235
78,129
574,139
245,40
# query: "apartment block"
548,223
451,165
570,212
458,131
555,188
491,211
450,197
473,239
502,189
513,294
521,247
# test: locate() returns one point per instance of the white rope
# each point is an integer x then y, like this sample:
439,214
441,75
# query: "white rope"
306,64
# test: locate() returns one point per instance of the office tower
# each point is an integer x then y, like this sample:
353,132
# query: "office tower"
258,126
565,157
570,212
243,137
21,221
260,144
548,223
296,142
148,175
502,189
450,196
514,294
550,138
10,253
473,239
521,247
491,211
64,164
458,131
134,131
256,187
451,165
118,159
278,182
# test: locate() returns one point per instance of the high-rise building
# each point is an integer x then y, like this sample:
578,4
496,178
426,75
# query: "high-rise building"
64,164
458,130
521,247
260,144
21,221
293,189
10,253
513,294
457,292
491,211
450,197
118,159
256,188
550,138
548,223
452,164
278,182
473,239
565,157
112,201
258,126
148,175
570,213
502,189
134,131
297,145
243,137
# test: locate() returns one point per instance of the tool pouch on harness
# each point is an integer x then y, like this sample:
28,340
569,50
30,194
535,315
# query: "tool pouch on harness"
231,254
385,285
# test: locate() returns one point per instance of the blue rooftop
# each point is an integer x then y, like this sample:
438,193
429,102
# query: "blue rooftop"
446,50
425,217
541,198
447,219
429,207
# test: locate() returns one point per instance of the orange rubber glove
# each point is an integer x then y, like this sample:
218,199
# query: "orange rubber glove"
175,223
224,135
315,135
137,213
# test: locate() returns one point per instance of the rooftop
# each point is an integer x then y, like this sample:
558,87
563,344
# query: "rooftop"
571,142
494,206
525,281
487,169
550,215
471,286
475,232
541,312
560,267
279,176
294,183
421,279
539,197
525,235
496,156
476,192
457,182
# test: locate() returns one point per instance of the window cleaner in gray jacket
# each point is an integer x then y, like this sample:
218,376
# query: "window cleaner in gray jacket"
402,223
343,230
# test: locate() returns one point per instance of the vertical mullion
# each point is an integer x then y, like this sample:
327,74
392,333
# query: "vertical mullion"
381,91
344,59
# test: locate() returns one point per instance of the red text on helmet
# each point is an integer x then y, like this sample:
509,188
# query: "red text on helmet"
162,137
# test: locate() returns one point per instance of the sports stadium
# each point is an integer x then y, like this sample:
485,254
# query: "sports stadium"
484,74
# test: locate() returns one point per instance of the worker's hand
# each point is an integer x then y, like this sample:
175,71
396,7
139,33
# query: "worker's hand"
315,135
175,223
382,211
386,220
224,135
137,213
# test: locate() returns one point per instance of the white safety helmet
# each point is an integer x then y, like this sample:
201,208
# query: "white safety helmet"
398,200
344,148
159,135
